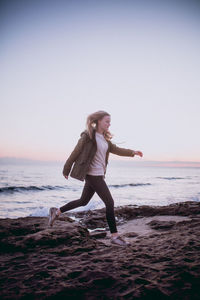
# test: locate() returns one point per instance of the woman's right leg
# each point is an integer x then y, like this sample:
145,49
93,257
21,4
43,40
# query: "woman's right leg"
86,196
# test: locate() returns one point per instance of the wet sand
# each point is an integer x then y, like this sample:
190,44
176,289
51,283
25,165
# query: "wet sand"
72,260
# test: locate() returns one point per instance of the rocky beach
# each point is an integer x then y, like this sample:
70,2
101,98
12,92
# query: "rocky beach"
75,259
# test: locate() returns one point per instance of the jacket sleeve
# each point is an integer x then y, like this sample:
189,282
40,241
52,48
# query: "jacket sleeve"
73,156
121,151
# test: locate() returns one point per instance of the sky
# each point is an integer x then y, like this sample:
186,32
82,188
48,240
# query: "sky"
137,60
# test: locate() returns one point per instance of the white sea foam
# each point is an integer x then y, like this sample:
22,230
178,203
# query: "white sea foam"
40,212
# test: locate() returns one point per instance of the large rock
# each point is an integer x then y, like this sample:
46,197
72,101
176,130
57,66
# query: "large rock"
66,262
97,218
26,234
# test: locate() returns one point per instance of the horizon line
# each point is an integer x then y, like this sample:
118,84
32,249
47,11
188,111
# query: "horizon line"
60,160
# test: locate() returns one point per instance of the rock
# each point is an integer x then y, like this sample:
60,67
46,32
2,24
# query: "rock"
97,218
68,262
163,225
22,235
130,234
98,234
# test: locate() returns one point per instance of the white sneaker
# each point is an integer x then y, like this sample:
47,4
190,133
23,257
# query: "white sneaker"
118,240
52,215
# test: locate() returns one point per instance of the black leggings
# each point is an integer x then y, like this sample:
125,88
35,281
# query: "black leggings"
95,184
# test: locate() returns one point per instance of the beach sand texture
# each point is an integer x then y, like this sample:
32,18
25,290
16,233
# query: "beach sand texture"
69,261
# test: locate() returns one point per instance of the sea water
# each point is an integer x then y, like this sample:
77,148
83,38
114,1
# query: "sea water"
31,189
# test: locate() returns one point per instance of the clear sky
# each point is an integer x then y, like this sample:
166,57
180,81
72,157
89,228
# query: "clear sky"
62,60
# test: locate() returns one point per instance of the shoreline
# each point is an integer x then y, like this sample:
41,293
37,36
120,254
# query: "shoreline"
74,260
139,209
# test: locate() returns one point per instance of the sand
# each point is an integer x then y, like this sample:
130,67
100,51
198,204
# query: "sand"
72,260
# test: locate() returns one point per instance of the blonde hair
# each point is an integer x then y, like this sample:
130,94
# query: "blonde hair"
92,122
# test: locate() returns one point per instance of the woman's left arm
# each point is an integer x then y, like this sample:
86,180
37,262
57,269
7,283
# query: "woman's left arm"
124,152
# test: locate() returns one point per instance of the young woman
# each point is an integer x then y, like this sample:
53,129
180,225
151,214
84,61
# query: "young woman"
90,159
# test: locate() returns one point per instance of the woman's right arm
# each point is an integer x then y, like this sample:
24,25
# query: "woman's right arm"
73,156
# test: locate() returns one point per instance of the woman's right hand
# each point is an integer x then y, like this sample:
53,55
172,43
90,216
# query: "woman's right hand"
66,176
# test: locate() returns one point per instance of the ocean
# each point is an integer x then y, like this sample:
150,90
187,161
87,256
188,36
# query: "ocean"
31,189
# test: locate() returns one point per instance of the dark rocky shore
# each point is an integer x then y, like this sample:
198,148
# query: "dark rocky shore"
69,261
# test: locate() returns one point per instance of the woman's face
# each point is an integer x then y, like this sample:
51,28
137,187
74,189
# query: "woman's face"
104,123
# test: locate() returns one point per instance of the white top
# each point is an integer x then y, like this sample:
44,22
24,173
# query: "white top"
98,164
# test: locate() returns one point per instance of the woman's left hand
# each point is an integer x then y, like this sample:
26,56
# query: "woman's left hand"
139,153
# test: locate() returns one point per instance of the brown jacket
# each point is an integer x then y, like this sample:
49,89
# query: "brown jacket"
83,154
